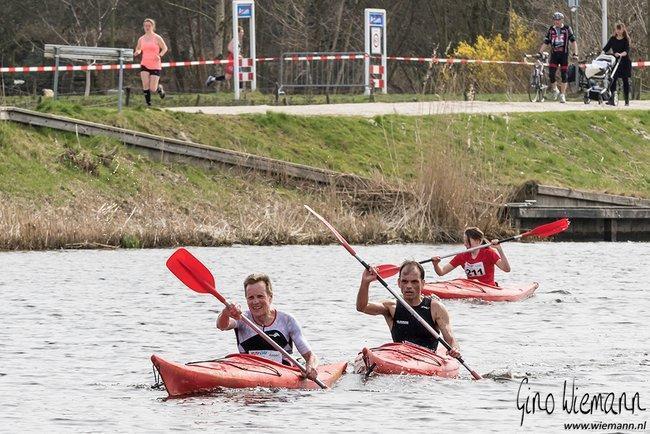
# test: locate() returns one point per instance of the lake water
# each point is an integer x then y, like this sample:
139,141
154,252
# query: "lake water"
78,328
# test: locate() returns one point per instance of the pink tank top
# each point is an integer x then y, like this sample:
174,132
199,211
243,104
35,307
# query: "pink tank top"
150,51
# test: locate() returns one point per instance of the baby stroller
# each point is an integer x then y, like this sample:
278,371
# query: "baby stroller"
600,73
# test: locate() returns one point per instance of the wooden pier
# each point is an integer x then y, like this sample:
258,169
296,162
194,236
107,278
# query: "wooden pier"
594,216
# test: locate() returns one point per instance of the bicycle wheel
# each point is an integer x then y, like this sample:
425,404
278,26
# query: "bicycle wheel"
543,87
533,87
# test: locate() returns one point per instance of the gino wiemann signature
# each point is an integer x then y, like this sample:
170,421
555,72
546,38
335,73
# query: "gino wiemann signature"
529,402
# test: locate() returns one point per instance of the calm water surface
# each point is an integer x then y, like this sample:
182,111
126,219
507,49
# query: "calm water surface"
78,328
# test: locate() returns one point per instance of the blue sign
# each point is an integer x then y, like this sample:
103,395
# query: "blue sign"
244,11
376,19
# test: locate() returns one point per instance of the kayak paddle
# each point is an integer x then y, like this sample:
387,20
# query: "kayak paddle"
545,230
408,307
198,278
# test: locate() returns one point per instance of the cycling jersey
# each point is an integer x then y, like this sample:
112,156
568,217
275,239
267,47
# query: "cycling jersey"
558,38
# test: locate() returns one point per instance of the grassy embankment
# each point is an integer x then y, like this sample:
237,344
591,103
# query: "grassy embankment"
60,190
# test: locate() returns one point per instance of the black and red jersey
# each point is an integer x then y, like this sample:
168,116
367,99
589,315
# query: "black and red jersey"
559,37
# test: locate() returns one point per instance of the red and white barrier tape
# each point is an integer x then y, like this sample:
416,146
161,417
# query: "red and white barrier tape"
451,60
248,63
244,63
342,56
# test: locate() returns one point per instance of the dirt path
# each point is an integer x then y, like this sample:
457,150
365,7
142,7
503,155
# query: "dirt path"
411,108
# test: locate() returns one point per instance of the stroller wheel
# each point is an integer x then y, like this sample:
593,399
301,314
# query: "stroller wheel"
587,100
600,98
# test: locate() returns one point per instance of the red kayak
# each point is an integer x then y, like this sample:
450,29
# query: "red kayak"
405,358
464,288
238,371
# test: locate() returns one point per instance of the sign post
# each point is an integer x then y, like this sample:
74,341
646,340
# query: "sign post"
573,7
375,48
243,10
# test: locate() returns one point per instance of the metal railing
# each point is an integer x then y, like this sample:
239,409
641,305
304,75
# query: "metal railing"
323,70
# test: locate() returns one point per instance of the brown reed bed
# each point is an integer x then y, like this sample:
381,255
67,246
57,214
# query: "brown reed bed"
439,208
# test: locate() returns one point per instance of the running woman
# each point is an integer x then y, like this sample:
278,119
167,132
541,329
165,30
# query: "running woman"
279,326
230,67
153,48
478,264
558,38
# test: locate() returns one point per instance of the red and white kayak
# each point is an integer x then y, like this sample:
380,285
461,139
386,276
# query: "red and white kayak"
405,358
238,371
465,288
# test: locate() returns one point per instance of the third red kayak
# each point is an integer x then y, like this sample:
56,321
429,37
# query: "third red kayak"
464,288
238,371
405,358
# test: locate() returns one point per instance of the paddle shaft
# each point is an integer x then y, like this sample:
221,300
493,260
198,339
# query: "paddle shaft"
254,326
421,320
479,247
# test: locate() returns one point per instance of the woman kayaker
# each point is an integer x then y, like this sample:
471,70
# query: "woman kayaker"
403,327
479,264
279,326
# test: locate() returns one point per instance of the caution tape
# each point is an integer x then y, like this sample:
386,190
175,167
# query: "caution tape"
640,63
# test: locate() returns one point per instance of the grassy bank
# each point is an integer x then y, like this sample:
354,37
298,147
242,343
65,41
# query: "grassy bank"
604,151
60,190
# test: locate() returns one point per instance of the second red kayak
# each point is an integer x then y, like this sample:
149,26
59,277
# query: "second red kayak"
405,358
238,371
465,288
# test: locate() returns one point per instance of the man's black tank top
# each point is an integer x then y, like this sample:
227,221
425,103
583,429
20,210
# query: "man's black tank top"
407,328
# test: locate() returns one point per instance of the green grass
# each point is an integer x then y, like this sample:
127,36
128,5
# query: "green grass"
50,168
590,150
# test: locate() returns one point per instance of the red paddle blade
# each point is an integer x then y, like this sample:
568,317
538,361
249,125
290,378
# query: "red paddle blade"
549,229
342,240
387,270
191,271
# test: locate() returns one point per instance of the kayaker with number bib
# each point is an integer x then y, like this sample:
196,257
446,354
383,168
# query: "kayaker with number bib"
479,264
403,327
279,326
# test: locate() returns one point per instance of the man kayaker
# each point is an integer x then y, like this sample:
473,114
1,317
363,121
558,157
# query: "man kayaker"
403,327
478,264
279,326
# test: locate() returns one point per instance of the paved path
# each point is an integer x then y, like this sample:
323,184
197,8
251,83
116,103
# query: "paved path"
411,108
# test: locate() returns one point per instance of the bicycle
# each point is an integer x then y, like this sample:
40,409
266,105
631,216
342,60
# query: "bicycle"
538,80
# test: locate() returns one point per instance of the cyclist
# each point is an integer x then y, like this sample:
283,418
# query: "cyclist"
558,37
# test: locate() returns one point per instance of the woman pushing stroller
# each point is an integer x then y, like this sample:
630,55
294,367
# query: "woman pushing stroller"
619,44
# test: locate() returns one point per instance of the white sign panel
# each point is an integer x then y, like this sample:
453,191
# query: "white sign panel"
375,40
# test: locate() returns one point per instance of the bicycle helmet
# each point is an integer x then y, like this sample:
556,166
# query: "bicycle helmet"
558,16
